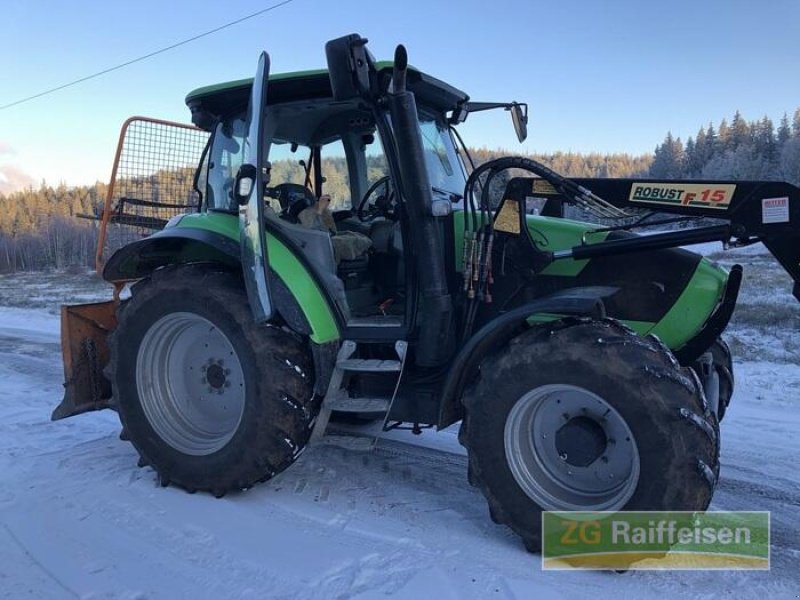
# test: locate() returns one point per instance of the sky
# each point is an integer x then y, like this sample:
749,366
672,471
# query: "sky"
605,76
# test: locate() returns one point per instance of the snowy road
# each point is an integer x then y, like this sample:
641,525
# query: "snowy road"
78,519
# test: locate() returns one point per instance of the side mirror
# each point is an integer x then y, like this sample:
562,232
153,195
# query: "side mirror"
350,66
243,185
519,116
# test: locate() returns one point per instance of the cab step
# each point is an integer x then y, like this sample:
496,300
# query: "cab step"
338,399
359,443
359,405
365,365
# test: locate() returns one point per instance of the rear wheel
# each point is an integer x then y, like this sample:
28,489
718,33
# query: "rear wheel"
209,399
586,415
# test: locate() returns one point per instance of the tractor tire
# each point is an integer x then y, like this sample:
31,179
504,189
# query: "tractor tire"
587,415
210,400
723,365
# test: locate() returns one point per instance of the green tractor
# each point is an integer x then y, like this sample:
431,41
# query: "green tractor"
583,362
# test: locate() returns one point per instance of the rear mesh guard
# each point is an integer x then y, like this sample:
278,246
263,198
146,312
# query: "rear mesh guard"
152,181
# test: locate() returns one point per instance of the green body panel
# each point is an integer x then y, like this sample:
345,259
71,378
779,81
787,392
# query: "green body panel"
549,233
552,234
686,317
682,321
286,265
697,302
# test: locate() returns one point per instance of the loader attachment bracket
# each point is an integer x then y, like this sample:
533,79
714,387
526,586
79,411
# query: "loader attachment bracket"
84,347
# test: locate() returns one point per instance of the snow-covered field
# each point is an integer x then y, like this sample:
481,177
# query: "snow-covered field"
78,519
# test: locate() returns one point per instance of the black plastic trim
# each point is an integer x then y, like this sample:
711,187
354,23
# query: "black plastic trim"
139,259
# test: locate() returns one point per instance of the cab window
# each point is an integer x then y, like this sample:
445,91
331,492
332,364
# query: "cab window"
289,163
444,169
337,179
377,168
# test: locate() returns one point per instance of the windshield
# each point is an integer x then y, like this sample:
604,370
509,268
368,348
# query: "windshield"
444,167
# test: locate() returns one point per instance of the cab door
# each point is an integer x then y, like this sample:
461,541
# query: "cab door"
251,181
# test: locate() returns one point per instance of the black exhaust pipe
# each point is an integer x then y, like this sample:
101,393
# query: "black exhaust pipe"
436,335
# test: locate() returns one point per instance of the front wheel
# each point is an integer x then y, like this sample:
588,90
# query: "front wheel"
208,398
720,370
587,416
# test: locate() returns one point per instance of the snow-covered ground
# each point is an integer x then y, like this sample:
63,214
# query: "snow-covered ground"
79,519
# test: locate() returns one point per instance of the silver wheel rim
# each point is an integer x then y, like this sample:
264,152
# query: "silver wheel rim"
190,383
535,434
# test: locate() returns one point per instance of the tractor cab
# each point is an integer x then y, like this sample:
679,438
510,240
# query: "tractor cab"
332,189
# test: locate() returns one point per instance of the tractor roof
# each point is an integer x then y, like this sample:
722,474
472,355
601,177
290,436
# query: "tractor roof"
233,96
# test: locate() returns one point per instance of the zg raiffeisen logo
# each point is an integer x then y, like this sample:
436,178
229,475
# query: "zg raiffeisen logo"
655,540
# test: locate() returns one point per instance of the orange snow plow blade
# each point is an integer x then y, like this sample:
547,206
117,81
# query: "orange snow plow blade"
84,348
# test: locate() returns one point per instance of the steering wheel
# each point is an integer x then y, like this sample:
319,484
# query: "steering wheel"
382,206
293,199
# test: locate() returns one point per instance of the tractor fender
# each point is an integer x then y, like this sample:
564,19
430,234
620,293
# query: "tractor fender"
185,245
586,302
169,247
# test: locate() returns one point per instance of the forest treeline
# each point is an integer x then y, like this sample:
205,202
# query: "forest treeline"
738,149
41,228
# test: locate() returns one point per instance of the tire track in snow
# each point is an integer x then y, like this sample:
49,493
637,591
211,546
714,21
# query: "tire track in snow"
38,564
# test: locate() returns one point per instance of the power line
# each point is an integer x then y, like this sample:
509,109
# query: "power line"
146,56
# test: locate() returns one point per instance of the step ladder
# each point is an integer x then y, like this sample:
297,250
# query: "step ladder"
338,399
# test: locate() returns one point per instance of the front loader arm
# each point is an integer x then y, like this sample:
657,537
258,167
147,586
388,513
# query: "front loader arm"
750,211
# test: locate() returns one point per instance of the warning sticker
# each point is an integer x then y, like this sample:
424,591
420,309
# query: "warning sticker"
683,194
508,219
775,210
542,186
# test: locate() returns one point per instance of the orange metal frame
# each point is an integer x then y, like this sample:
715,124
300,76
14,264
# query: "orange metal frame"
107,208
